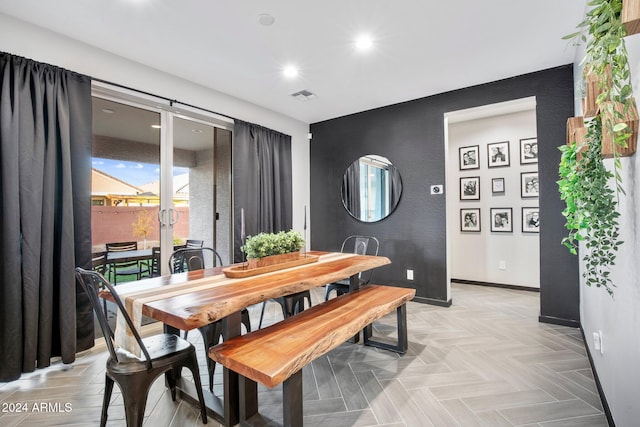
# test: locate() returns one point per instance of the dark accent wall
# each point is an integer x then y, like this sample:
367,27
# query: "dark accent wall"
411,135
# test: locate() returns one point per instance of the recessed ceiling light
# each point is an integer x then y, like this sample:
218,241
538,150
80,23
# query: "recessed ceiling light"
156,126
266,19
364,43
290,71
108,111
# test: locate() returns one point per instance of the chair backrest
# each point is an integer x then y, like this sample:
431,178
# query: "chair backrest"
188,259
155,261
361,245
99,262
93,282
121,246
194,243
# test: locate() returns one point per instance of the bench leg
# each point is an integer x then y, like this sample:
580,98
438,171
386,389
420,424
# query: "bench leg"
292,400
248,398
403,342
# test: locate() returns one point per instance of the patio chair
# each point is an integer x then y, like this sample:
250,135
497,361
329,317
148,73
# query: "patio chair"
125,268
155,262
161,354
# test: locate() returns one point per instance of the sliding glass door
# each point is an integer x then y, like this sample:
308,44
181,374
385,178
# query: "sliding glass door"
154,177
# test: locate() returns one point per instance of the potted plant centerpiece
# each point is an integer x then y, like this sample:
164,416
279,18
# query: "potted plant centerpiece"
272,248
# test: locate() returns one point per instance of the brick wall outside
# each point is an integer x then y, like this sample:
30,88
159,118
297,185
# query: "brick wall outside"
115,224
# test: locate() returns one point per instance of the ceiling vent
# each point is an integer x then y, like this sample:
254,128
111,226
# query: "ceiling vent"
303,95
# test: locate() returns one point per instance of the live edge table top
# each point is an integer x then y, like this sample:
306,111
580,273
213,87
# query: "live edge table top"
197,298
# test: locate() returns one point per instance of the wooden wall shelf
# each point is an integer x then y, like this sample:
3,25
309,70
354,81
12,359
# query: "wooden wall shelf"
631,16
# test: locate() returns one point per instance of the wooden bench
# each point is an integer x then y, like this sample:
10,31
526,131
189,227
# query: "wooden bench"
278,353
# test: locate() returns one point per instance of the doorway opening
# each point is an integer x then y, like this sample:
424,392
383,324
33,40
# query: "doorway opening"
493,219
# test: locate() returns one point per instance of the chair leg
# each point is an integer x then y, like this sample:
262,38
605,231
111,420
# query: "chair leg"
211,334
108,388
327,291
135,389
192,365
264,304
246,320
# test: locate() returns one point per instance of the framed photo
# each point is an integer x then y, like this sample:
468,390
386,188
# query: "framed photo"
497,185
529,186
470,220
528,151
469,157
470,188
530,220
501,220
498,154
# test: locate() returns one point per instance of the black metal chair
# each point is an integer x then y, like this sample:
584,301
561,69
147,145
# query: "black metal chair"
189,259
155,262
290,304
125,268
360,245
162,354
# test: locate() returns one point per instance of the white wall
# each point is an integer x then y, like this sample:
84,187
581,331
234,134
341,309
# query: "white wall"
618,367
476,256
23,39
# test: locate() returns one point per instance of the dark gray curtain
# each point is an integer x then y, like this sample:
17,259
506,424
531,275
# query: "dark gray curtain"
351,189
45,228
261,181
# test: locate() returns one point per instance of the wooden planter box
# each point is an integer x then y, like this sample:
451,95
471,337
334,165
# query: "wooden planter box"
594,87
631,16
631,119
269,264
576,132
273,259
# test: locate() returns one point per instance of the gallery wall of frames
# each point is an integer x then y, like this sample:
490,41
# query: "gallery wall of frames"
494,188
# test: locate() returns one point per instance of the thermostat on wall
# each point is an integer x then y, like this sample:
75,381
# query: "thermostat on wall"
437,189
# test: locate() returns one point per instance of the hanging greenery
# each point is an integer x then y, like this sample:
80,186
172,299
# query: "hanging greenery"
591,203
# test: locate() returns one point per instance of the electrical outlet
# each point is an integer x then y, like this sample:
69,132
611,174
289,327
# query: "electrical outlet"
502,265
597,343
409,274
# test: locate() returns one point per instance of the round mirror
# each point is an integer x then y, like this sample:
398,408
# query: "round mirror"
371,188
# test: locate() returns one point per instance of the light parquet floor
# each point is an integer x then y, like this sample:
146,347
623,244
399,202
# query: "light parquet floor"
484,361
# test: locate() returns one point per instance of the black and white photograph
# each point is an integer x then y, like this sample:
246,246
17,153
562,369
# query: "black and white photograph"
497,185
469,157
531,220
501,220
529,186
498,154
470,220
470,188
528,151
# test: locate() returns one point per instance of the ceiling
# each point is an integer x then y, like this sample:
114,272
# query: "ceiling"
420,47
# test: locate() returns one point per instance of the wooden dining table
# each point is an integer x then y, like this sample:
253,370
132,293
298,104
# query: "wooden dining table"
190,300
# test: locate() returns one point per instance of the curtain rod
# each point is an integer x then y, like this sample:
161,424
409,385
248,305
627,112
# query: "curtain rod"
171,101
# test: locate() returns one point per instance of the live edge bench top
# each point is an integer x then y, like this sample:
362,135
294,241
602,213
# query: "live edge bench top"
271,355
